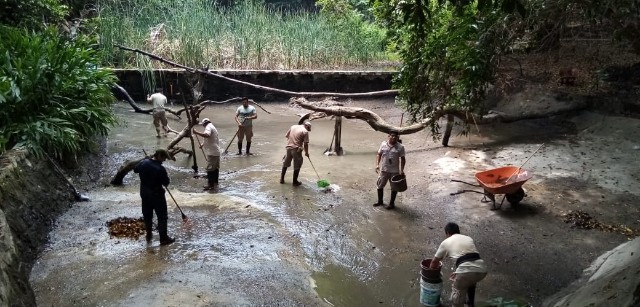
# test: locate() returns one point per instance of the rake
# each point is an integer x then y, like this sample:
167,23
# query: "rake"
322,183
185,219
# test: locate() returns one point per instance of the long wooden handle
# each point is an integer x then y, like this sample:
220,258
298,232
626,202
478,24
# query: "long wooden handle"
233,138
525,162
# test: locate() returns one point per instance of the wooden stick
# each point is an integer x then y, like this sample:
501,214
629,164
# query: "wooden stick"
525,162
226,150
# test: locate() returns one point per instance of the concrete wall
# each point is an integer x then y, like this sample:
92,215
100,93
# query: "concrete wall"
32,195
173,82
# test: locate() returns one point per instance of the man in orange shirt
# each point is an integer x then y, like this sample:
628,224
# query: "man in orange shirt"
297,141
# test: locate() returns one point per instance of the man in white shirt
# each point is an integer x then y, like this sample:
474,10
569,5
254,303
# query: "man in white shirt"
470,269
211,146
159,116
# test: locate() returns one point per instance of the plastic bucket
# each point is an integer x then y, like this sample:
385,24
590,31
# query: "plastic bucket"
399,183
429,274
430,293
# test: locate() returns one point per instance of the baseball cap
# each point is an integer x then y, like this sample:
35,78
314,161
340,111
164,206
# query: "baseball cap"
162,153
307,123
204,121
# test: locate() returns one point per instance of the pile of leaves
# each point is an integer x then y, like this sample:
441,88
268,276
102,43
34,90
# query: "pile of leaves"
582,220
126,227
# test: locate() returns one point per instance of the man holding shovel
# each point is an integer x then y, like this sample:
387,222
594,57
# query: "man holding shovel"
297,141
390,161
211,147
245,114
153,179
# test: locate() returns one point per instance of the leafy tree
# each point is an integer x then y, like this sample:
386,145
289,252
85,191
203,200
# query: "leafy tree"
32,14
52,96
448,49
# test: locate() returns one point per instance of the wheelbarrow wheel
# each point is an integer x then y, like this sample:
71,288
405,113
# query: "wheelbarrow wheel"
515,198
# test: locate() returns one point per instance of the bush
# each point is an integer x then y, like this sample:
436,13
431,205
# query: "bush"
53,97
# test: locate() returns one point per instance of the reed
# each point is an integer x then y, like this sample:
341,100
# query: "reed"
248,36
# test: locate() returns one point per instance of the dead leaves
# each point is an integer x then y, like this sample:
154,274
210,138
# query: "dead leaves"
126,227
582,220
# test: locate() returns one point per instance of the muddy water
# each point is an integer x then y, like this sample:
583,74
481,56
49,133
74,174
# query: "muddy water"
261,243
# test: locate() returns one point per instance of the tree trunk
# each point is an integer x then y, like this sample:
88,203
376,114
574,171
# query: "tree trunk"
124,170
447,132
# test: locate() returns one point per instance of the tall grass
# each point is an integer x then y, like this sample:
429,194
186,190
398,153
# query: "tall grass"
249,36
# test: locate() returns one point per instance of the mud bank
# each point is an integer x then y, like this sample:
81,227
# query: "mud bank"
25,220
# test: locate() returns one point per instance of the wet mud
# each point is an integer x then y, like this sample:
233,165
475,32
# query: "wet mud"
261,243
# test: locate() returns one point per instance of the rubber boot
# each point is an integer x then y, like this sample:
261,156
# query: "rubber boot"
216,176
295,177
380,194
162,229
239,148
392,201
214,182
248,152
210,180
471,296
149,236
284,171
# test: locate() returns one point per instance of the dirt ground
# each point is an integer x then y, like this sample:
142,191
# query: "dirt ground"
261,243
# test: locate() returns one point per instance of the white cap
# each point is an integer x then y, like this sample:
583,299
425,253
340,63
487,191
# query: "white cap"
307,123
204,121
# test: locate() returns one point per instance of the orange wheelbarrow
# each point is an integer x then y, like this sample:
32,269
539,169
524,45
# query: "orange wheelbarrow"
506,180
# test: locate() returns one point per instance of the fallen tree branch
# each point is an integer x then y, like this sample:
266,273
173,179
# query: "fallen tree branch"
135,106
378,124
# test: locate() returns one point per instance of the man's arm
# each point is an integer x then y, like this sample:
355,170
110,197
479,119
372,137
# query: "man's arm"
194,131
435,263
306,149
403,161
378,157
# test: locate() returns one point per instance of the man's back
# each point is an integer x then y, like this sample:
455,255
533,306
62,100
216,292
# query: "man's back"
297,136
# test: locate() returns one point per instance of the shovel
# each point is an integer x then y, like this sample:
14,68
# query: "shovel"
200,143
185,219
226,150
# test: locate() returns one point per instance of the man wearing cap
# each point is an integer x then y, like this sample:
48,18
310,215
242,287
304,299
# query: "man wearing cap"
153,181
245,114
390,161
159,116
211,146
297,141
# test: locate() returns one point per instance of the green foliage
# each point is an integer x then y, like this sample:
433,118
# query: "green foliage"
32,14
449,51
246,36
53,97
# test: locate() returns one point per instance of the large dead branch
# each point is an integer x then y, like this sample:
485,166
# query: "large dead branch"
137,108
264,88
378,124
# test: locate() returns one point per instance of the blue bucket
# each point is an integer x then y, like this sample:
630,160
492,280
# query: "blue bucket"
430,293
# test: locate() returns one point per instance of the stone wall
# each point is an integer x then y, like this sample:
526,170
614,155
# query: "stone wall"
174,84
32,195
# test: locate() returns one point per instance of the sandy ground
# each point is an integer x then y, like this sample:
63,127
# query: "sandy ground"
261,243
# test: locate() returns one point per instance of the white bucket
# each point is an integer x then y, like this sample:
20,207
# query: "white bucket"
430,293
